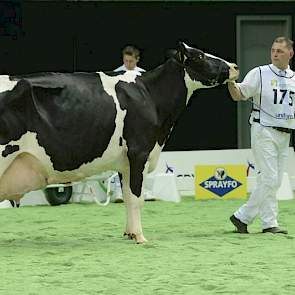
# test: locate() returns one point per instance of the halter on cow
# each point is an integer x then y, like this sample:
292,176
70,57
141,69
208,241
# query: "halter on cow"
63,127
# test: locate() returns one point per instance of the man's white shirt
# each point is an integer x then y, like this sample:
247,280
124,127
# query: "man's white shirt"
273,95
123,68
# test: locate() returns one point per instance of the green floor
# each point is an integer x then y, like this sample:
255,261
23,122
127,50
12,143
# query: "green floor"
79,249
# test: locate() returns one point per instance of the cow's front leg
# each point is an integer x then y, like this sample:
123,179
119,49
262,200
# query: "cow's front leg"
133,207
132,192
133,212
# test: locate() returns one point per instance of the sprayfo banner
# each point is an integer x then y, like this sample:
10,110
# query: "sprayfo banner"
220,181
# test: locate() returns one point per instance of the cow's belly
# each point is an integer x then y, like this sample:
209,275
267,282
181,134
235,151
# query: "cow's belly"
112,159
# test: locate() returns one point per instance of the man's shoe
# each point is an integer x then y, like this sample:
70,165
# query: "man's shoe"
241,226
275,230
118,199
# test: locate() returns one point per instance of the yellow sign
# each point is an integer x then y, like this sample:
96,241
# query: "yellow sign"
220,182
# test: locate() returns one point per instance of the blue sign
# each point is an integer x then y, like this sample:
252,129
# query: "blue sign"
220,187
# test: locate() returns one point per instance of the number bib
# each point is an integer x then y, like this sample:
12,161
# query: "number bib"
277,99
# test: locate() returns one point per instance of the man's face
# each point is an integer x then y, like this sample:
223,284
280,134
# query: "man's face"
281,55
130,61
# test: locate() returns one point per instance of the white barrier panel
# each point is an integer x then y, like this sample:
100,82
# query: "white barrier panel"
285,191
5,204
164,187
182,164
34,198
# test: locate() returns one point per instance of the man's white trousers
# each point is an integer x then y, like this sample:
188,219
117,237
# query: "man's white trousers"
270,149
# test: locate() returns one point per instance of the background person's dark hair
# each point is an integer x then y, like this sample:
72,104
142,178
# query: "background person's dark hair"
131,50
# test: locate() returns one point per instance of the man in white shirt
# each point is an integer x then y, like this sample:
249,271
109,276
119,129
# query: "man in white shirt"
130,56
272,88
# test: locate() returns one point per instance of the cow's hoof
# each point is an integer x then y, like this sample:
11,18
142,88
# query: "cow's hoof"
128,236
139,238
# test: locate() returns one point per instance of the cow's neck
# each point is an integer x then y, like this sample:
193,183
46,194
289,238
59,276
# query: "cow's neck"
167,87
168,91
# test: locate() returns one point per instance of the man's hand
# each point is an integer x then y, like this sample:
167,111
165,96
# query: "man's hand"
234,90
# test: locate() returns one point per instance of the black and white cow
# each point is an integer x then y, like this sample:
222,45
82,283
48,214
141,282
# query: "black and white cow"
63,127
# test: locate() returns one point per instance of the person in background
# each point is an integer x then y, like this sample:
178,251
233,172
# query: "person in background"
130,56
272,88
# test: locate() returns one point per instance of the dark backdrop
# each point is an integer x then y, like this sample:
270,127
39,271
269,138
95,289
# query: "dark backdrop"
89,36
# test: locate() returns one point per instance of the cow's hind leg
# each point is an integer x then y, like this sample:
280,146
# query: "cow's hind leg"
23,175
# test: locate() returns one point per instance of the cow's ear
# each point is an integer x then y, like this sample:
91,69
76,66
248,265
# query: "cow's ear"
185,49
180,53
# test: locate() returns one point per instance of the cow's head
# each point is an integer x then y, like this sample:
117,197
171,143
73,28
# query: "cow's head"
203,69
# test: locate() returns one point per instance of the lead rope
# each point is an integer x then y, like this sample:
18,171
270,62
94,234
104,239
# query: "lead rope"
107,190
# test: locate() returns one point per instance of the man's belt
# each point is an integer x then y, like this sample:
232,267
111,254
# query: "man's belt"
281,129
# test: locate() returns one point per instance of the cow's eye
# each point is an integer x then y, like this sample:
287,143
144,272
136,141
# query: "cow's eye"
196,58
201,56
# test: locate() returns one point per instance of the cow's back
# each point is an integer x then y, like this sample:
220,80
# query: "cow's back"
72,116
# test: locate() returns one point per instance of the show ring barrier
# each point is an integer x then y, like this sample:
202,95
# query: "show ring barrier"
173,177
163,187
